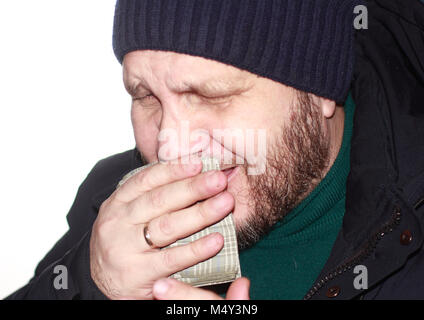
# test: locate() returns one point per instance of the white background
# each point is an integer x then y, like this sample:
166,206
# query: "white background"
63,107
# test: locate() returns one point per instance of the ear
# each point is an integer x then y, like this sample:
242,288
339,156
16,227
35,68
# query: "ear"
328,107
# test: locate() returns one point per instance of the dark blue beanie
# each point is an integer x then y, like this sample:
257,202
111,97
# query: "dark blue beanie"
305,44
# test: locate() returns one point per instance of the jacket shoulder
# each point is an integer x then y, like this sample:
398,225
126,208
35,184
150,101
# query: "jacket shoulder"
111,169
96,187
99,185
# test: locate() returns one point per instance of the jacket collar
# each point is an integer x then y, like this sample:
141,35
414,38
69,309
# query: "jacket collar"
382,198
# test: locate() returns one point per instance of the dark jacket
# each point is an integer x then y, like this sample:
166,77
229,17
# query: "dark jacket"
383,224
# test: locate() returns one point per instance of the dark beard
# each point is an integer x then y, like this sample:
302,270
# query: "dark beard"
296,163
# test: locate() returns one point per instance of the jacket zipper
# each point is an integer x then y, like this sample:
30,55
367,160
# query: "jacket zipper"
362,254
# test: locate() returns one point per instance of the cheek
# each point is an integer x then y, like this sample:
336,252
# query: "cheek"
259,121
146,132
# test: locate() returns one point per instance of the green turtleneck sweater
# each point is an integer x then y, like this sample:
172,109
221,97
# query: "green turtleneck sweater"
286,262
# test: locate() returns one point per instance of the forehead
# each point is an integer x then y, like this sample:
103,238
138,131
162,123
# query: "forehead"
176,68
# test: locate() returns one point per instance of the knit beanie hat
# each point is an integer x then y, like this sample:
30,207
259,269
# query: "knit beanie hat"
305,44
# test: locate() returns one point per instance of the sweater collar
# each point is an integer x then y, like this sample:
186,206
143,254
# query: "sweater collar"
306,220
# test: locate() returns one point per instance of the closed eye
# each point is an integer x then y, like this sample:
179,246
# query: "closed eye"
148,101
147,96
224,99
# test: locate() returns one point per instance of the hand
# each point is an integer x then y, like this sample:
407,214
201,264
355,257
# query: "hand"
171,289
164,197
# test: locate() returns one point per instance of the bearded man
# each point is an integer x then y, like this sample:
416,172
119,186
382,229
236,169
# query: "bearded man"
342,187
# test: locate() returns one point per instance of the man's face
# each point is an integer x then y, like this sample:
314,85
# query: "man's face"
176,96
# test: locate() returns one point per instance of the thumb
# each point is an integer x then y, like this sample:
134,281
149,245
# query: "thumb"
239,290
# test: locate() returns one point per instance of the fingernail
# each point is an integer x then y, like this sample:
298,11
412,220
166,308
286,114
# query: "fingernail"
214,179
220,202
192,168
213,241
161,287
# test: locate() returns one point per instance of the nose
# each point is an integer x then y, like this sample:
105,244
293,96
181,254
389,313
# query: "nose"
187,141
181,133
186,131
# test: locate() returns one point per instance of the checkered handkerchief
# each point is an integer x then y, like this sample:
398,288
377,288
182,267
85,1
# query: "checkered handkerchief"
225,266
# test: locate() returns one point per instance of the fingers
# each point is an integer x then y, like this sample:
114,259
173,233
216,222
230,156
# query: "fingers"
168,228
239,290
175,196
153,177
170,260
171,289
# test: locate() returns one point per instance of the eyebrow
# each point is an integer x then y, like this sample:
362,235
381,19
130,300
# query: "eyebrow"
215,87
207,88
135,87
